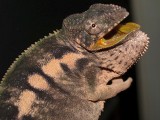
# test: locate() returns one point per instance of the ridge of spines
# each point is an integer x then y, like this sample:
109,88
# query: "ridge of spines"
25,52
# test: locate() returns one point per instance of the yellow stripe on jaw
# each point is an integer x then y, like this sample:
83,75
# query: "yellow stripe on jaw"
120,34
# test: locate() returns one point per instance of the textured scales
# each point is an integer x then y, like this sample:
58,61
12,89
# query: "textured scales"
61,77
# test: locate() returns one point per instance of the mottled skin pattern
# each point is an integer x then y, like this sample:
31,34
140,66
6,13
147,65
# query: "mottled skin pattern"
58,78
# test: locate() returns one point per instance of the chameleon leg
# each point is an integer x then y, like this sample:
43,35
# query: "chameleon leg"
104,92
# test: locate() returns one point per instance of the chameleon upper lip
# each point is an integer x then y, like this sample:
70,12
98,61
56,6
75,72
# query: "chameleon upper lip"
116,36
101,35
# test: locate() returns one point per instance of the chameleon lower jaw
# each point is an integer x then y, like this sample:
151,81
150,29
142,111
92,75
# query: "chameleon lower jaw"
116,36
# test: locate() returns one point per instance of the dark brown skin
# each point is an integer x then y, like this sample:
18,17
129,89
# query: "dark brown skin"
59,78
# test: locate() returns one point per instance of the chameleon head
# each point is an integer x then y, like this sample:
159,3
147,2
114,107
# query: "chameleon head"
116,46
88,27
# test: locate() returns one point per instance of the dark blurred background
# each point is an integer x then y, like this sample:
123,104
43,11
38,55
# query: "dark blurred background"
24,22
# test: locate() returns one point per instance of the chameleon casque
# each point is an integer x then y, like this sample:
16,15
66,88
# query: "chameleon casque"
65,75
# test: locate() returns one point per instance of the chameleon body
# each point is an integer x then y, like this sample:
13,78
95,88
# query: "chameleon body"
62,77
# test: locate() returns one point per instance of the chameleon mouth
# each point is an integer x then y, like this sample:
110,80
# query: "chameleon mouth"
115,36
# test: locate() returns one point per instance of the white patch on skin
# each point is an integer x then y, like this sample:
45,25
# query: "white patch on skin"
26,100
38,82
70,59
53,68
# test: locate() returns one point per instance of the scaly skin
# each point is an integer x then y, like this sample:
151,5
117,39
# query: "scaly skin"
60,78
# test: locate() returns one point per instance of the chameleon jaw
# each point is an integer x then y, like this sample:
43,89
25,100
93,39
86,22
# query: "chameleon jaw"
120,58
115,36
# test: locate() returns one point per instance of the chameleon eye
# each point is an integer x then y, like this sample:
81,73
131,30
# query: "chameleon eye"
93,25
93,28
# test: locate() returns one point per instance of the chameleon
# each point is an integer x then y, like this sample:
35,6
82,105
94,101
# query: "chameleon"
69,74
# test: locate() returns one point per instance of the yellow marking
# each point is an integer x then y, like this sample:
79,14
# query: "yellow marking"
38,82
25,102
121,32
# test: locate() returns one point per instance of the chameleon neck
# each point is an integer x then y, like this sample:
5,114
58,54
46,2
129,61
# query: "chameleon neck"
69,40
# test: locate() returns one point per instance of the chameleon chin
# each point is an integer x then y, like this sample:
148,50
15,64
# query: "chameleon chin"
65,75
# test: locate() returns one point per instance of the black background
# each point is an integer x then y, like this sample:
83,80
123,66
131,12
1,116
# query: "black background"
22,22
